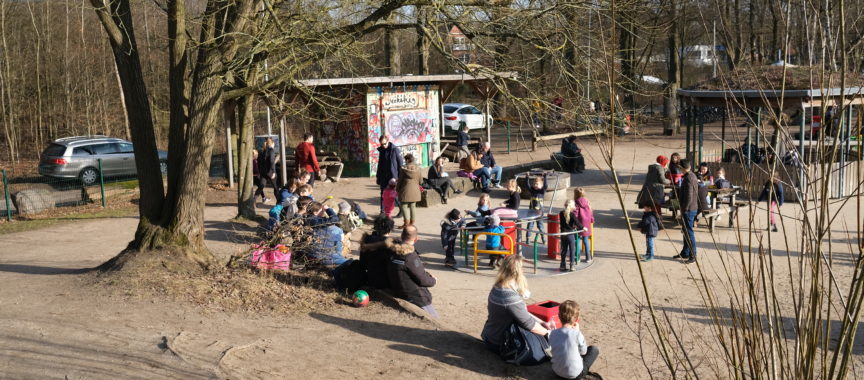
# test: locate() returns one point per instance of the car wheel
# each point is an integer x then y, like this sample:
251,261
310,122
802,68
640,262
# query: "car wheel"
163,167
89,176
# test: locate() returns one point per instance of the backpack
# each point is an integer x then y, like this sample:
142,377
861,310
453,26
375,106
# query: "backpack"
275,214
289,207
522,347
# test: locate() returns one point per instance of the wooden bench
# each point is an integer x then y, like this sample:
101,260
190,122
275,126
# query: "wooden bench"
537,137
714,214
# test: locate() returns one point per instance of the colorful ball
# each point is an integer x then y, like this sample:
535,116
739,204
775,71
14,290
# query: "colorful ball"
360,298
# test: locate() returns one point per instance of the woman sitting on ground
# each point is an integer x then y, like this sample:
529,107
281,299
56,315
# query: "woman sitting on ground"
506,306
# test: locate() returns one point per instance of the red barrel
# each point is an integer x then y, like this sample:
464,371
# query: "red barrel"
509,230
554,245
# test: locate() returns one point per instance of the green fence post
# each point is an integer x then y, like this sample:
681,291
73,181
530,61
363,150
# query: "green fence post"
6,195
101,183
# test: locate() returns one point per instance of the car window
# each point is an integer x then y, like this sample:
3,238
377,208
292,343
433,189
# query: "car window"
470,111
125,148
103,148
54,150
81,151
450,109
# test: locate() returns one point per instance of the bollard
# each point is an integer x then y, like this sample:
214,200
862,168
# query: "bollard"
101,183
6,194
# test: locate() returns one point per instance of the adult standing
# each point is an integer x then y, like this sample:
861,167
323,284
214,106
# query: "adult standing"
256,176
439,179
408,277
408,188
573,159
462,139
305,158
653,192
267,165
489,166
688,196
506,306
389,161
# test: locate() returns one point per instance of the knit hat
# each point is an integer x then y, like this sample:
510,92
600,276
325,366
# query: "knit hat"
494,220
662,160
344,207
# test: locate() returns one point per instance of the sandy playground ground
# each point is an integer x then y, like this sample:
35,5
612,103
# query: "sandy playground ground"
54,323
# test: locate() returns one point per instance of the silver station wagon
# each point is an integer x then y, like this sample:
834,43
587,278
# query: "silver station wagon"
78,157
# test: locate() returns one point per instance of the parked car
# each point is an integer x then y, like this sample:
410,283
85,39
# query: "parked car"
458,114
78,157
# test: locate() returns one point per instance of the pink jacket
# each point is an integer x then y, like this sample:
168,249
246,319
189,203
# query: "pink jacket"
585,215
389,200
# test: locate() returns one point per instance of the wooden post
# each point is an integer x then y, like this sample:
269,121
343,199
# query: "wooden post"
282,142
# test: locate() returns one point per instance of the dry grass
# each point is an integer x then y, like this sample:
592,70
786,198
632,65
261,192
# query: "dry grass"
164,274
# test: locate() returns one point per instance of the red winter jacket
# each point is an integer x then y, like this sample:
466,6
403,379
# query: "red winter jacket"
304,155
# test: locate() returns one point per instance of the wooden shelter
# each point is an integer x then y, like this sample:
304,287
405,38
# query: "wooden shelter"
754,92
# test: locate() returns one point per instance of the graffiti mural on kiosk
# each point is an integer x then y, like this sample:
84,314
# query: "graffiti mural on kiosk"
406,128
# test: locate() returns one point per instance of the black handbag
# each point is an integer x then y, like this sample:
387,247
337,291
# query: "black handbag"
522,347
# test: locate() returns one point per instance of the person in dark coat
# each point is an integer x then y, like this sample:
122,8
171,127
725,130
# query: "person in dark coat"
449,233
569,223
408,188
462,139
389,161
408,277
653,193
374,255
439,180
649,226
256,177
573,159
772,193
688,198
267,166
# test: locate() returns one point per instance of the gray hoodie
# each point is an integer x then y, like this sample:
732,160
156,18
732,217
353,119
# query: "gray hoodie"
505,307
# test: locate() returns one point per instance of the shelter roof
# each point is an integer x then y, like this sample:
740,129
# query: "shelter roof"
404,79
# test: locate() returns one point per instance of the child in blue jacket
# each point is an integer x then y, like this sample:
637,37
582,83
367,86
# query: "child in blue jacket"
493,242
649,226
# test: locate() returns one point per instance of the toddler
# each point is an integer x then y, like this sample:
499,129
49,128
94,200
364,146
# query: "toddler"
389,197
649,226
482,207
569,223
585,217
571,356
538,191
493,242
513,197
449,233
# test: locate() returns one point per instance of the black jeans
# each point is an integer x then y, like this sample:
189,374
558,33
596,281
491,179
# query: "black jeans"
588,360
266,180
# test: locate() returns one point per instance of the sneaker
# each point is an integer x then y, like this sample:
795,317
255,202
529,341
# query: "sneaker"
647,258
690,260
497,186
774,228
562,269
588,261
457,191
678,257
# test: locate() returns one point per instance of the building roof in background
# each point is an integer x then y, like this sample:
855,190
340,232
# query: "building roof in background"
404,79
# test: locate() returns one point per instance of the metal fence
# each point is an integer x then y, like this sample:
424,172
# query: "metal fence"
37,188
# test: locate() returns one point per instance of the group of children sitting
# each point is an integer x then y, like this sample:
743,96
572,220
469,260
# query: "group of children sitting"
320,233
576,216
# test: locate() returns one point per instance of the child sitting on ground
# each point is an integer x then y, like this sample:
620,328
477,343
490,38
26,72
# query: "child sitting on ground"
482,207
513,197
585,216
493,242
348,223
305,191
571,356
649,226
449,233
538,191
304,178
388,197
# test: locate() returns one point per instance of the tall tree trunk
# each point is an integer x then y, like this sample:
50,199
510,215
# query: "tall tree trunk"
422,40
391,50
116,17
245,144
672,124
